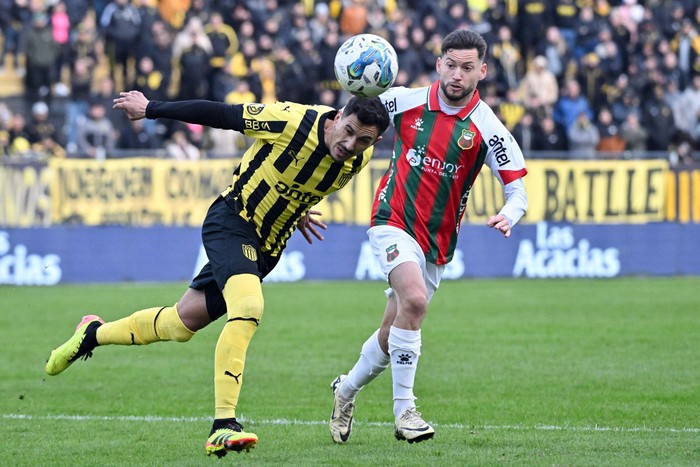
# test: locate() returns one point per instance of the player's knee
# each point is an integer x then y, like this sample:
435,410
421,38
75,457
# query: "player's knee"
171,327
244,299
414,304
247,308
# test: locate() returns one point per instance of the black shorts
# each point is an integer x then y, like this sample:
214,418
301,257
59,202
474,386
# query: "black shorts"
233,247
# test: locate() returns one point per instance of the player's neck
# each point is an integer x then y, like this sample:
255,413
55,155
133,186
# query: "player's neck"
452,107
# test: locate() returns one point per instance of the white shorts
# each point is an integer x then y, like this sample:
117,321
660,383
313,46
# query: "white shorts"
392,246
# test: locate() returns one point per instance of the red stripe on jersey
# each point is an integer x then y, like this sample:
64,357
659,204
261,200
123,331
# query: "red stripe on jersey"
509,175
440,140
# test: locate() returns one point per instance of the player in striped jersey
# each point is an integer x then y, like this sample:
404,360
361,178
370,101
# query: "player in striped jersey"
444,135
301,154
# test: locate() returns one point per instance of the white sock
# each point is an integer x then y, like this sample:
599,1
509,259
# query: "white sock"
372,362
404,349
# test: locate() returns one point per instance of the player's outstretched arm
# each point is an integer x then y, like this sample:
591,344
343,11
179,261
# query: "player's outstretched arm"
307,226
133,103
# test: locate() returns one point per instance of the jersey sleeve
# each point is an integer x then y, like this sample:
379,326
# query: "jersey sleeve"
202,112
267,121
503,155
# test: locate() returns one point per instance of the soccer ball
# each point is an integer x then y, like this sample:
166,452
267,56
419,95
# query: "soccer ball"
366,65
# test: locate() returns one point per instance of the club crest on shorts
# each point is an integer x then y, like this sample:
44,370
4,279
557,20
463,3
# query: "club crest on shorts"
392,253
250,252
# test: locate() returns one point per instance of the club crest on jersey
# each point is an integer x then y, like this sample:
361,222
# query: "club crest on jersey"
254,109
250,252
392,253
466,140
344,179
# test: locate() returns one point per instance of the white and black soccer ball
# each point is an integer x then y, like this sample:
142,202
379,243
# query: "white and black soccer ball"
366,65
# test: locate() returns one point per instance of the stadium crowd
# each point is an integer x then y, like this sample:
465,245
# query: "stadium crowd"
584,78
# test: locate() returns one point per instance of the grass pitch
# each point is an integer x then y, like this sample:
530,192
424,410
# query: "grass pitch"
513,372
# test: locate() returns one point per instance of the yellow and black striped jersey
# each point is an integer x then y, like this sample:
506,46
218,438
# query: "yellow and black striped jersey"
285,172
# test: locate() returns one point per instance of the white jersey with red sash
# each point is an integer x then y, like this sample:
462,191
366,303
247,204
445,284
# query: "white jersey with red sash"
436,159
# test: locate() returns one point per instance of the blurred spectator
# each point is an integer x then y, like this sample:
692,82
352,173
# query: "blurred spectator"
657,119
80,89
670,72
150,81
630,15
587,28
570,105
688,122
628,102
17,18
550,136
240,94
620,36
686,44
42,52
96,134
507,60
121,23
326,51
17,138
525,133
682,155
192,50
199,9
61,27
159,50
511,109
609,57
224,44
133,135
583,137
149,16
105,94
532,21
611,141
178,147
40,125
592,79
173,11
409,58
565,18
194,72
353,18
557,52
77,10
634,134
320,24
538,88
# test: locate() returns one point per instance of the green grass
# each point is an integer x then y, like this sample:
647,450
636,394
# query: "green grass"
513,372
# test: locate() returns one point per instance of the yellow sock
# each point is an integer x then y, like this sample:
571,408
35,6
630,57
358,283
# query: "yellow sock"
145,327
244,302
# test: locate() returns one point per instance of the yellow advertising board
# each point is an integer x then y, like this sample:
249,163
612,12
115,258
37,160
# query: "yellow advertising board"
142,191
624,191
136,191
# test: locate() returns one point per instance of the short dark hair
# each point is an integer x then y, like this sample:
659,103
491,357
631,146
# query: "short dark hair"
463,39
369,111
